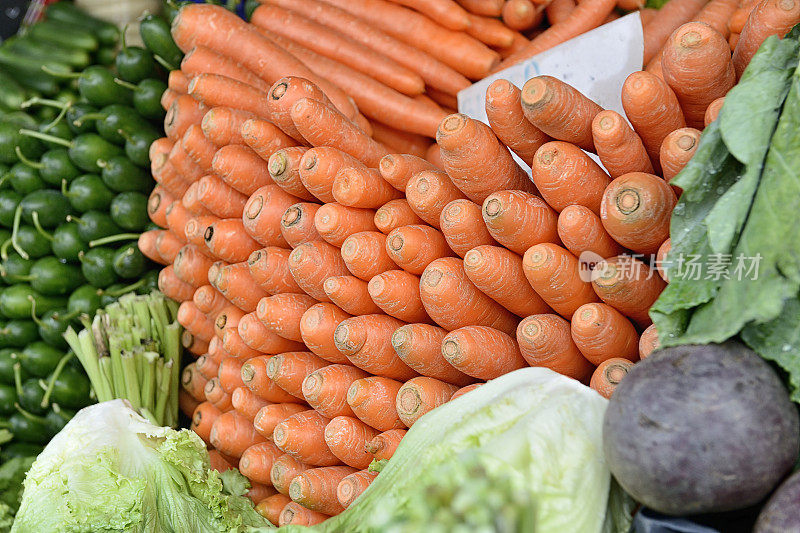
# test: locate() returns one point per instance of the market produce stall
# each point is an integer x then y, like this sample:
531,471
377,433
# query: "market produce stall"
572,308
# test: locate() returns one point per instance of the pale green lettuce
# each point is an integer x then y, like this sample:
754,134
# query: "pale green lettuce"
110,470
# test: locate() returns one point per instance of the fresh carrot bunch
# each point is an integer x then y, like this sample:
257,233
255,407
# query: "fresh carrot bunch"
340,276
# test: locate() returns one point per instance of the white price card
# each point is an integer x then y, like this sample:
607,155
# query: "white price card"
596,63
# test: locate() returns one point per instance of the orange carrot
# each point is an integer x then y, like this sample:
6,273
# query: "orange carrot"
519,220
263,212
249,48
172,286
284,470
282,96
182,113
168,245
326,389
433,72
202,60
677,149
219,198
288,370
648,342
669,17
519,14
216,354
768,17
661,263
264,137
481,352
191,201
147,245
230,374
420,395
217,461
397,169
191,318
238,286
346,437
191,266
462,225
271,507
217,395
302,436
227,318
600,332
351,487
227,240
712,111
164,174
296,514
259,337
420,347
195,231
618,146
241,168
446,12
565,175
504,109
400,141
351,294
629,286
608,375
556,276
222,125
362,187
322,125
178,82
365,340
177,216
558,11
428,193
312,263
396,292
246,403
332,44
203,419
160,147
463,390
498,273
157,205
257,460
384,445
335,222
490,31
582,231
297,224
254,376
394,214
545,341
652,108
184,165
195,345
476,161
315,489
259,492
232,434
317,326
444,286
717,14
209,300
318,169
272,414
372,400
168,98
193,382
697,66
269,267
284,169
414,247
636,211
559,110
207,366
488,8
281,313
364,254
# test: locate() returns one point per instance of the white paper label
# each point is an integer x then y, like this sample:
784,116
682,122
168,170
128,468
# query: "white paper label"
596,63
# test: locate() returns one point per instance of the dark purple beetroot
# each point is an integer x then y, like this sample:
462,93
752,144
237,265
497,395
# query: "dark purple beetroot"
782,512
701,429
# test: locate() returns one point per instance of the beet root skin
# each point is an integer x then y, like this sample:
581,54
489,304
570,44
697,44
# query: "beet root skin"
701,429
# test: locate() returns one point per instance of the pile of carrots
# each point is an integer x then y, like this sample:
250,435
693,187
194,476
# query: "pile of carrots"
337,286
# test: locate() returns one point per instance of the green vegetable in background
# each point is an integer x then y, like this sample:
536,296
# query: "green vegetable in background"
12,473
139,477
535,434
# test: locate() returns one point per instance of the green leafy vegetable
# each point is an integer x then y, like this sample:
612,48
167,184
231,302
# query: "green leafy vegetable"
111,470
12,472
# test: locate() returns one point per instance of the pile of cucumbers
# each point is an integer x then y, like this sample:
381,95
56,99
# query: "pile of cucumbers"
78,111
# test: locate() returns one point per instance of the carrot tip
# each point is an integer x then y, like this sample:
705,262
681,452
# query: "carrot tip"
278,90
493,207
277,165
432,277
254,207
451,351
396,243
628,201
292,216
409,401
616,371
453,123
399,339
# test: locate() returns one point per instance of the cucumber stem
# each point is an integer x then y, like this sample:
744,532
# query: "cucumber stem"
127,84
45,102
35,318
4,249
78,122
45,137
113,238
124,290
63,75
18,378
39,228
15,231
26,161
56,120
164,63
54,376
73,218
30,416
